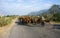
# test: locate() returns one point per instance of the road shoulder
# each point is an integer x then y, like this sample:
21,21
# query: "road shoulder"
4,31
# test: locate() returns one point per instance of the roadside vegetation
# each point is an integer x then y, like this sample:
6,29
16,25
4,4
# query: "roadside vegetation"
53,14
5,20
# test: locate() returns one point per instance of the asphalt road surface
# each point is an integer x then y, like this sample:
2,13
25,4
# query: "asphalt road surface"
23,31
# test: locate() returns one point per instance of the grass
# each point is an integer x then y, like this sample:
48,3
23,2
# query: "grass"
5,20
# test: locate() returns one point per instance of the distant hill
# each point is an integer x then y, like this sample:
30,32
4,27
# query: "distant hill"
37,12
53,9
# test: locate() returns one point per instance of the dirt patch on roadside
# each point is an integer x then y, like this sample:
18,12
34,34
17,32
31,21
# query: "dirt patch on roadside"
55,22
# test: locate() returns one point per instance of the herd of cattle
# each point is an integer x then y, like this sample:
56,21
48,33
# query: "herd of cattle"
30,19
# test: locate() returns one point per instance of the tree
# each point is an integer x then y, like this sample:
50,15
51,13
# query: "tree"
57,17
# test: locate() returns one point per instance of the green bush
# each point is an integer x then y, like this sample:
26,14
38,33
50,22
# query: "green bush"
56,17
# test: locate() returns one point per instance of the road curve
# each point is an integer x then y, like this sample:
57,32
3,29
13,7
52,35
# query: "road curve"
23,31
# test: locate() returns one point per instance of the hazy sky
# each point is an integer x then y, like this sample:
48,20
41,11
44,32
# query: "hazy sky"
22,7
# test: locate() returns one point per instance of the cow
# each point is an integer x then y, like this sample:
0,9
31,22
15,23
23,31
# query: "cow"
37,20
30,19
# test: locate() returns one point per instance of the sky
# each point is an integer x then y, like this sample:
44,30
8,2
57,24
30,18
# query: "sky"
23,7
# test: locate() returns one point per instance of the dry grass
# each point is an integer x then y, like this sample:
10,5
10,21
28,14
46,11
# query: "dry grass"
55,22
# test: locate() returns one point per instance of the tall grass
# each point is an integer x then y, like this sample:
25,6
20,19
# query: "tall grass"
5,20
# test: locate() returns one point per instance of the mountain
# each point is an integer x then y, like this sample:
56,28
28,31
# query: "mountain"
37,12
52,10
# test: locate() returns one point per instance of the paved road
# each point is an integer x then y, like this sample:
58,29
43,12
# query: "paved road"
22,31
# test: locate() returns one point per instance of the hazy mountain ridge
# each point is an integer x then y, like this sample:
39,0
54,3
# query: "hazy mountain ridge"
55,8
37,12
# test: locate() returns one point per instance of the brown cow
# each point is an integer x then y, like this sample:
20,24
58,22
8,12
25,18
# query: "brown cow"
37,20
29,19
